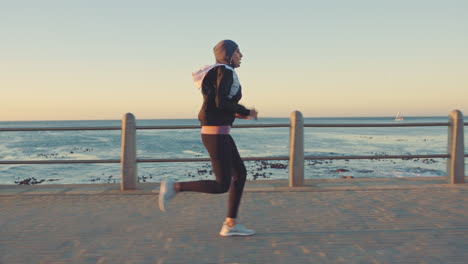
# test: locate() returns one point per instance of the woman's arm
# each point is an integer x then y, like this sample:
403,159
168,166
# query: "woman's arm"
223,85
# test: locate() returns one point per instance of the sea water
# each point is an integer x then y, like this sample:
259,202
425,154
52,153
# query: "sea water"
251,142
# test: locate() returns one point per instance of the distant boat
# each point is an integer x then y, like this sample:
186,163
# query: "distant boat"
398,117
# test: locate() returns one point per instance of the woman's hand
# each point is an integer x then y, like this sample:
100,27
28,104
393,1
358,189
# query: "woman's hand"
241,116
253,115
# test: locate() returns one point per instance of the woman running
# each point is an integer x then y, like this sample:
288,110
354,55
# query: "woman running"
221,93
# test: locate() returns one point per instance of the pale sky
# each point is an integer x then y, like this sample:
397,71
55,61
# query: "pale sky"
99,59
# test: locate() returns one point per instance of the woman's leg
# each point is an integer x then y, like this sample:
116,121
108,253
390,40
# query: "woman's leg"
220,149
239,175
226,163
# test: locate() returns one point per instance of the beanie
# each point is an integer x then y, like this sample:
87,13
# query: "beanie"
224,50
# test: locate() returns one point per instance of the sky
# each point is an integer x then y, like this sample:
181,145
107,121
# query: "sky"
100,59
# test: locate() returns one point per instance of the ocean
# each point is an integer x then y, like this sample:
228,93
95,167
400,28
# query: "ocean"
251,142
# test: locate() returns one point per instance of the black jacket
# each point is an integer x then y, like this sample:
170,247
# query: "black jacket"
221,94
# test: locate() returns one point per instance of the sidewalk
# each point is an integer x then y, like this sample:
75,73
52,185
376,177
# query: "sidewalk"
406,220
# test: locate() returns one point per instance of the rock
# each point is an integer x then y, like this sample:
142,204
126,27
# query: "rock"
29,181
341,170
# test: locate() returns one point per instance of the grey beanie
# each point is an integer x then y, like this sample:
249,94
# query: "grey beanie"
224,50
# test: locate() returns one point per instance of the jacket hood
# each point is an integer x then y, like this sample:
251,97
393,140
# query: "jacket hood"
199,75
224,50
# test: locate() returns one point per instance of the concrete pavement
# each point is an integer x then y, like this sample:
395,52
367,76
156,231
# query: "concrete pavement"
406,220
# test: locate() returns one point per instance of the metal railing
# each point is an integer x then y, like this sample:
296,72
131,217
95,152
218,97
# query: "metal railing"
455,156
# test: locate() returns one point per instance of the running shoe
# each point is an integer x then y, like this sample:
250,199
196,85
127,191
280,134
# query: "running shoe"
166,193
236,230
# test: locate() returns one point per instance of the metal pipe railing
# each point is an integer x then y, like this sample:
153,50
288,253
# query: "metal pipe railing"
27,162
128,161
57,129
32,129
379,125
26,129
29,129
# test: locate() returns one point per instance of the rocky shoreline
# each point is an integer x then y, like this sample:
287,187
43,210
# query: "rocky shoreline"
257,170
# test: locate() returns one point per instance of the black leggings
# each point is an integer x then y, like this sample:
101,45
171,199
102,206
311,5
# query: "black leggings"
227,164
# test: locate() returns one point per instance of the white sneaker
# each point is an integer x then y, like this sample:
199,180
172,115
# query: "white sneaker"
236,230
166,193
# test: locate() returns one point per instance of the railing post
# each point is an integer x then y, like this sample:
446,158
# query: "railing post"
456,160
128,163
296,150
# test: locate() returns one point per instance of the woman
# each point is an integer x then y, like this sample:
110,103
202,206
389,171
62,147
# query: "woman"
221,93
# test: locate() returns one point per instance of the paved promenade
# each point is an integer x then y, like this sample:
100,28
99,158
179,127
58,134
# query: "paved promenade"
403,220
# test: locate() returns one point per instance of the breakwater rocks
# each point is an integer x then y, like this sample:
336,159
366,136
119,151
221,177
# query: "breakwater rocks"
333,168
105,179
256,170
263,169
64,154
32,181
424,160
258,167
